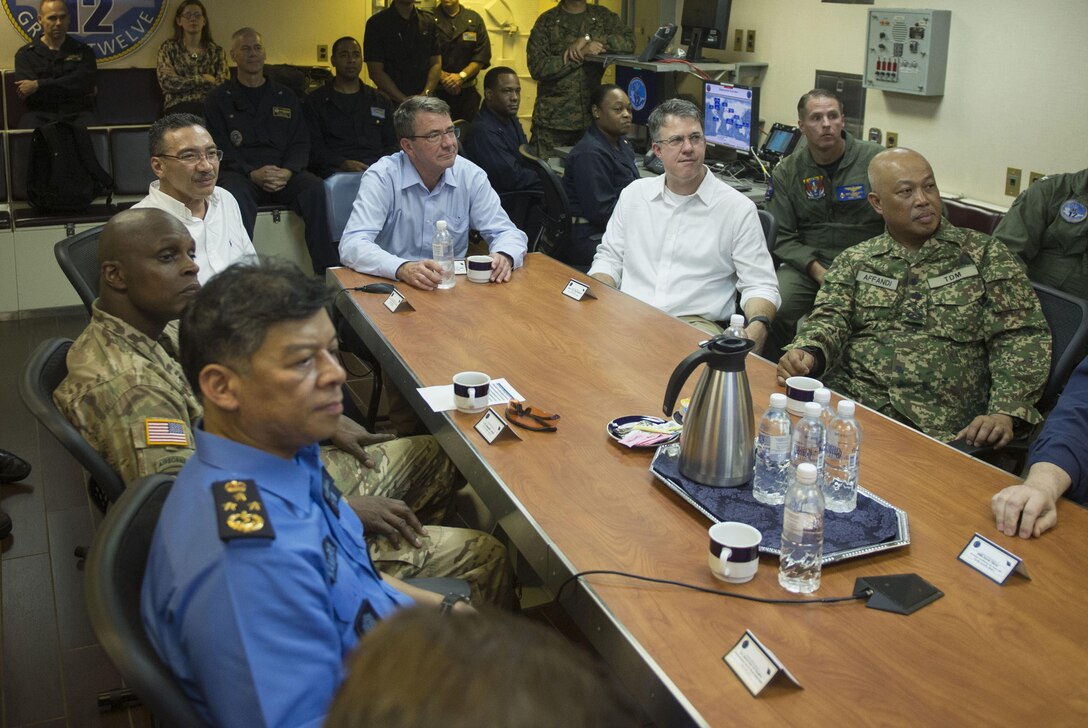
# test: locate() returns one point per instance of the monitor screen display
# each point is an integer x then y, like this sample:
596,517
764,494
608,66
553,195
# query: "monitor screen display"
781,140
732,115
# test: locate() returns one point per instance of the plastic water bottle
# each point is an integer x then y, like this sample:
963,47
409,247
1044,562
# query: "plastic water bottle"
809,439
822,397
772,473
841,460
802,533
736,326
442,252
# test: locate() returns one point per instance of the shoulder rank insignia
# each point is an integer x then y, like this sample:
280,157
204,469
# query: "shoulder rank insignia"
330,492
240,511
330,559
158,431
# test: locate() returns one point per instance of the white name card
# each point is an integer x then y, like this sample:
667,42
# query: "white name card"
755,665
459,267
992,561
397,302
577,290
492,427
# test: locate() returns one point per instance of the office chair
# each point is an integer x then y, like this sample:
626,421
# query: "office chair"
1067,317
112,582
78,258
554,234
341,190
44,371
770,232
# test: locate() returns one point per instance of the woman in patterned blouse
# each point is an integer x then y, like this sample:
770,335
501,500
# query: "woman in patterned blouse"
190,64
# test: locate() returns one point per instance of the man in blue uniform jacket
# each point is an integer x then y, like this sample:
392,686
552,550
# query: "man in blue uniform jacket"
258,582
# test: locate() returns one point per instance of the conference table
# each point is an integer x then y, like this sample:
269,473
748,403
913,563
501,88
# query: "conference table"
575,500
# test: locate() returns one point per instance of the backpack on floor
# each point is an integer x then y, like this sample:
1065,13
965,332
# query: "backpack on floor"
64,175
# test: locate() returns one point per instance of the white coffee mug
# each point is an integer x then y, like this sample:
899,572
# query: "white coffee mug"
470,391
734,551
479,268
800,390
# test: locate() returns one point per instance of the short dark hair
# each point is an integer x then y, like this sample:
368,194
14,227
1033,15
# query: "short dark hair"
681,108
404,118
491,78
345,39
596,96
817,93
230,316
170,122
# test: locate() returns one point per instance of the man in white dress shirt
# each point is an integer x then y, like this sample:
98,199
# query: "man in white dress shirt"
186,161
685,241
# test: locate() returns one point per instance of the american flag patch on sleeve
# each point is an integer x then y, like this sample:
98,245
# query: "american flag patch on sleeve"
165,432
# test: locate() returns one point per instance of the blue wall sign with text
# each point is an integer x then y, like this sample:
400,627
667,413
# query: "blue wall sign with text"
112,28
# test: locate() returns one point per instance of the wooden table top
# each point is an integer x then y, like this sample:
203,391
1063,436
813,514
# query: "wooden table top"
983,653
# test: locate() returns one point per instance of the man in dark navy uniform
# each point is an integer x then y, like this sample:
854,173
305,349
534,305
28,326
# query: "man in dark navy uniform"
266,146
55,74
400,48
351,124
466,50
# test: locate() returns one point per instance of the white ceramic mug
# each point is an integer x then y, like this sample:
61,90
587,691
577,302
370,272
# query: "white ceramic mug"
479,268
800,390
470,391
734,551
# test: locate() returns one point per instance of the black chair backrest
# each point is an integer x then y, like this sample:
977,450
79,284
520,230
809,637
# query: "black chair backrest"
556,212
78,258
112,582
1067,316
44,371
770,228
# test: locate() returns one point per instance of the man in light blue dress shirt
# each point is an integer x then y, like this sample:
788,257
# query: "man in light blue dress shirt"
402,196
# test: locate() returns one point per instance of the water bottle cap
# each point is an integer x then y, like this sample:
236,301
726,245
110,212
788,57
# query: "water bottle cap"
822,395
736,321
778,401
813,409
440,226
806,473
846,408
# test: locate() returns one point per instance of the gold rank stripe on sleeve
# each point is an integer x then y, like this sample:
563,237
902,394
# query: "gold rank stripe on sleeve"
240,511
967,271
158,431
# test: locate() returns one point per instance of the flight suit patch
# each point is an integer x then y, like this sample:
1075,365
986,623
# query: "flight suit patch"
1074,211
848,193
814,187
240,510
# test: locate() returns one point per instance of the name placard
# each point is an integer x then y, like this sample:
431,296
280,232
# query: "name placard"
492,428
992,561
397,303
577,290
755,665
967,271
460,268
876,280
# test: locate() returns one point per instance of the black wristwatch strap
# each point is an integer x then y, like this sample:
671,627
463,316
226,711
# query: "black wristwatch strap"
448,602
762,319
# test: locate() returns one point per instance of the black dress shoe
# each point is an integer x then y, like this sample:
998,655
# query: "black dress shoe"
5,525
12,467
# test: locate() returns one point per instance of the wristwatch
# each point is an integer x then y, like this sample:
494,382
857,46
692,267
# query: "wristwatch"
463,75
762,319
448,602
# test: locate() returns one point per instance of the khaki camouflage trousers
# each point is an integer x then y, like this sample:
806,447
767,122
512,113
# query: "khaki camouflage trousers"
417,471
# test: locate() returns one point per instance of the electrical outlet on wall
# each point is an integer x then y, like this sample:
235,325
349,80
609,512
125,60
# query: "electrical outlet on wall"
751,41
1012,181
322,54
891,139
1035,177
738,40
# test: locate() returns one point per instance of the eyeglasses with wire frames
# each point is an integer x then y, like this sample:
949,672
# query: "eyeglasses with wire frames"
677,141
193,158
193,15
436,136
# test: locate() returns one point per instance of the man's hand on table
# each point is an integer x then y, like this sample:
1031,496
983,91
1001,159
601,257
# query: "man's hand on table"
795,363
422,274
353,438
993,430
388,517
501,268
1031,508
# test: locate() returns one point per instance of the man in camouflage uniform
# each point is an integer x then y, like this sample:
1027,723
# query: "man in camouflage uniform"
126,393
558,44
818,196
932,325
1048,229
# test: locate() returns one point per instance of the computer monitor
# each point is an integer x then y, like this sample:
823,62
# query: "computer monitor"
705,24
731,116
781,141
646,89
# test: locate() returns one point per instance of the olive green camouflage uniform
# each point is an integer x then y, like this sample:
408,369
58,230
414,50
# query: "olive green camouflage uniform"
1047,227
561,114
119,380
818,218
932,338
